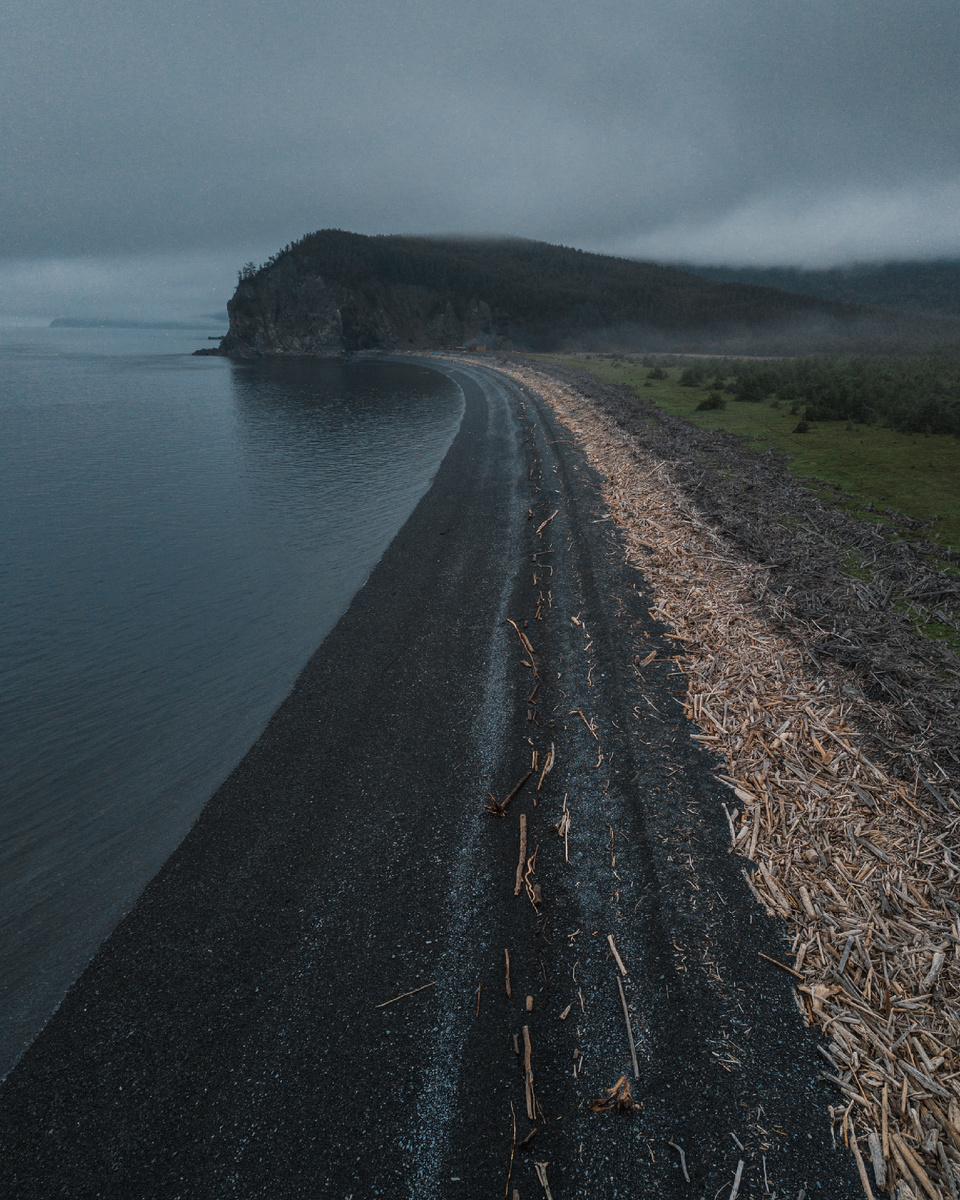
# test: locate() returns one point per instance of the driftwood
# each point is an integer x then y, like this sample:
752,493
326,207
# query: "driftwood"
626,1017
840,584
529,1094
523,853
847,805
497,809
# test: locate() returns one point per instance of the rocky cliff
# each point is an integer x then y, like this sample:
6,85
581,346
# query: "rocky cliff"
290,308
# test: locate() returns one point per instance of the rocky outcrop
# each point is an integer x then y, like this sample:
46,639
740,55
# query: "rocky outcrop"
288,308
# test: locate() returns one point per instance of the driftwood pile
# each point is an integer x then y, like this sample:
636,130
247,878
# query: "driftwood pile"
812,552
860,861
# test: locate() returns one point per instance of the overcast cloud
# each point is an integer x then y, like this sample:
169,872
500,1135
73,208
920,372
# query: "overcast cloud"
190,134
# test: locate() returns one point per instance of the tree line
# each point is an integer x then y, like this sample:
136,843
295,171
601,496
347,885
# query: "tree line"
918,394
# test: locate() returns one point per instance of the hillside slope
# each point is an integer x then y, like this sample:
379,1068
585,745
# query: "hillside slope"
929,287
335,292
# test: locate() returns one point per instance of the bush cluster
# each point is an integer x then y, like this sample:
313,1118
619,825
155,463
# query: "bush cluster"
911,395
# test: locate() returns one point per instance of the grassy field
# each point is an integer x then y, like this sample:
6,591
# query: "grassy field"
912,473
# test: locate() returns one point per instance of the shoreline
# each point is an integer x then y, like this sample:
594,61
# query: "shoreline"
310,999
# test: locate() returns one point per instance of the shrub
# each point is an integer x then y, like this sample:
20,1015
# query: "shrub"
714,400
752,389
916,394
691,377
657,373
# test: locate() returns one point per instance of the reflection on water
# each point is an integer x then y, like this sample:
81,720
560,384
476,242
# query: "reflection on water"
180,534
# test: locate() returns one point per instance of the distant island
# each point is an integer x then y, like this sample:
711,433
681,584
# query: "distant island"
335,292
109,323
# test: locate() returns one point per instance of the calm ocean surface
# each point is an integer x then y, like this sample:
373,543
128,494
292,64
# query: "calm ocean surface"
178,536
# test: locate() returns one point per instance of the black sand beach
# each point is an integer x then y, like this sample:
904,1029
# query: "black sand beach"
226,1041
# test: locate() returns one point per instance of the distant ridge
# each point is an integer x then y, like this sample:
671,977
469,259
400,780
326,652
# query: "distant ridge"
104,323
932,287
335,292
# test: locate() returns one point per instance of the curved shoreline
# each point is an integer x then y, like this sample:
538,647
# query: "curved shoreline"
227,1038
195,607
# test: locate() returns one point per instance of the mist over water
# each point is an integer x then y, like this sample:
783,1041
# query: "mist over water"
179,535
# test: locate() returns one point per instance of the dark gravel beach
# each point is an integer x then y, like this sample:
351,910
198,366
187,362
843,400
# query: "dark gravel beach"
238,1036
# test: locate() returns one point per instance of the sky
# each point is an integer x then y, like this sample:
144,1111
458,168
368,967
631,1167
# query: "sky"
147,150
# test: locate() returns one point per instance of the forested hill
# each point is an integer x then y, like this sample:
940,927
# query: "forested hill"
334,291
932,287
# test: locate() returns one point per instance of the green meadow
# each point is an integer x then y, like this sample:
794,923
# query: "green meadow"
913,473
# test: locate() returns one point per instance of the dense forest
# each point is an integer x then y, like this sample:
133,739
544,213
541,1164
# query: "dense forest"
538,296
538,284
911,395
932,287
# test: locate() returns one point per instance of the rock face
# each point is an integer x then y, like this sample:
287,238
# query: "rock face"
290,309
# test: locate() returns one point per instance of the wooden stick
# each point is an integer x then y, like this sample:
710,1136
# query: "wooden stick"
528,1074
623,969
566,831
542,1176
903,1168
876,1158
868,1191
947,1171
908,1169
495,808
506,955
542,527
579,712
626,1017
534,893
755,832
517,788
733,838
479,986
547,766
944,1121
526,644
523,853
782,966
736,1181
914,1166
683,1159
410,993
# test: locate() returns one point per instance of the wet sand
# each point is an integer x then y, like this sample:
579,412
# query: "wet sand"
227,1040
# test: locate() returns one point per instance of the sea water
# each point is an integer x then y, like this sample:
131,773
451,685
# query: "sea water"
178,536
